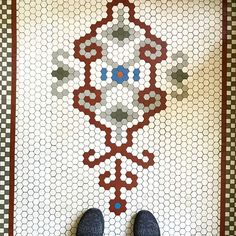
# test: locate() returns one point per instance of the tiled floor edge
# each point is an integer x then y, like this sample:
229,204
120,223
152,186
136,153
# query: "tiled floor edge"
223,118
5,112
13,114
230,111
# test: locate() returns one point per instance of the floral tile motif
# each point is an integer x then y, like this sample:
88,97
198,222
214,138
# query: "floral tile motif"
123,45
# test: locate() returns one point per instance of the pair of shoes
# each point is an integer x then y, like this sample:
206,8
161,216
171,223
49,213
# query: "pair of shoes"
92,224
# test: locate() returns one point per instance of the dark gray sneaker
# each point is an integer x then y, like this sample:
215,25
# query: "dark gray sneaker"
146,225
91,223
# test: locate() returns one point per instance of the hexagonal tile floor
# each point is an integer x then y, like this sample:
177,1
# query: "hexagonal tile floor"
119,107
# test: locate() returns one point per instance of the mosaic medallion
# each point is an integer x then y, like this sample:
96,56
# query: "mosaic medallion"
109,108
122,98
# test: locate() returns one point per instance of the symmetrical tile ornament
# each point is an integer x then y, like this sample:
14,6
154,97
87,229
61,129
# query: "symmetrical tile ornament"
120,47
120,118
118,107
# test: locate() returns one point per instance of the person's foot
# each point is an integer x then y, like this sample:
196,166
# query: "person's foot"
91,223
146,225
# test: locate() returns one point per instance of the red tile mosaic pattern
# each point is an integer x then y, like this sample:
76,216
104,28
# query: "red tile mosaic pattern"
150,96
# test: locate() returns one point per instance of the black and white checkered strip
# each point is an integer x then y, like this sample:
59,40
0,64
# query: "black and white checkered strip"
5,111
230,211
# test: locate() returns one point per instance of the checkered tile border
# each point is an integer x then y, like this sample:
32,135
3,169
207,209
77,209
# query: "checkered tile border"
5,111
230,200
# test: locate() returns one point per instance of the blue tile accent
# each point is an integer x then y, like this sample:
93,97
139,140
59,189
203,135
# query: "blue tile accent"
117,205
104,74
136,74
124,76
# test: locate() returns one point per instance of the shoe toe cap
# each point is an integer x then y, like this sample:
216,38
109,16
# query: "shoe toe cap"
91,223
146,224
